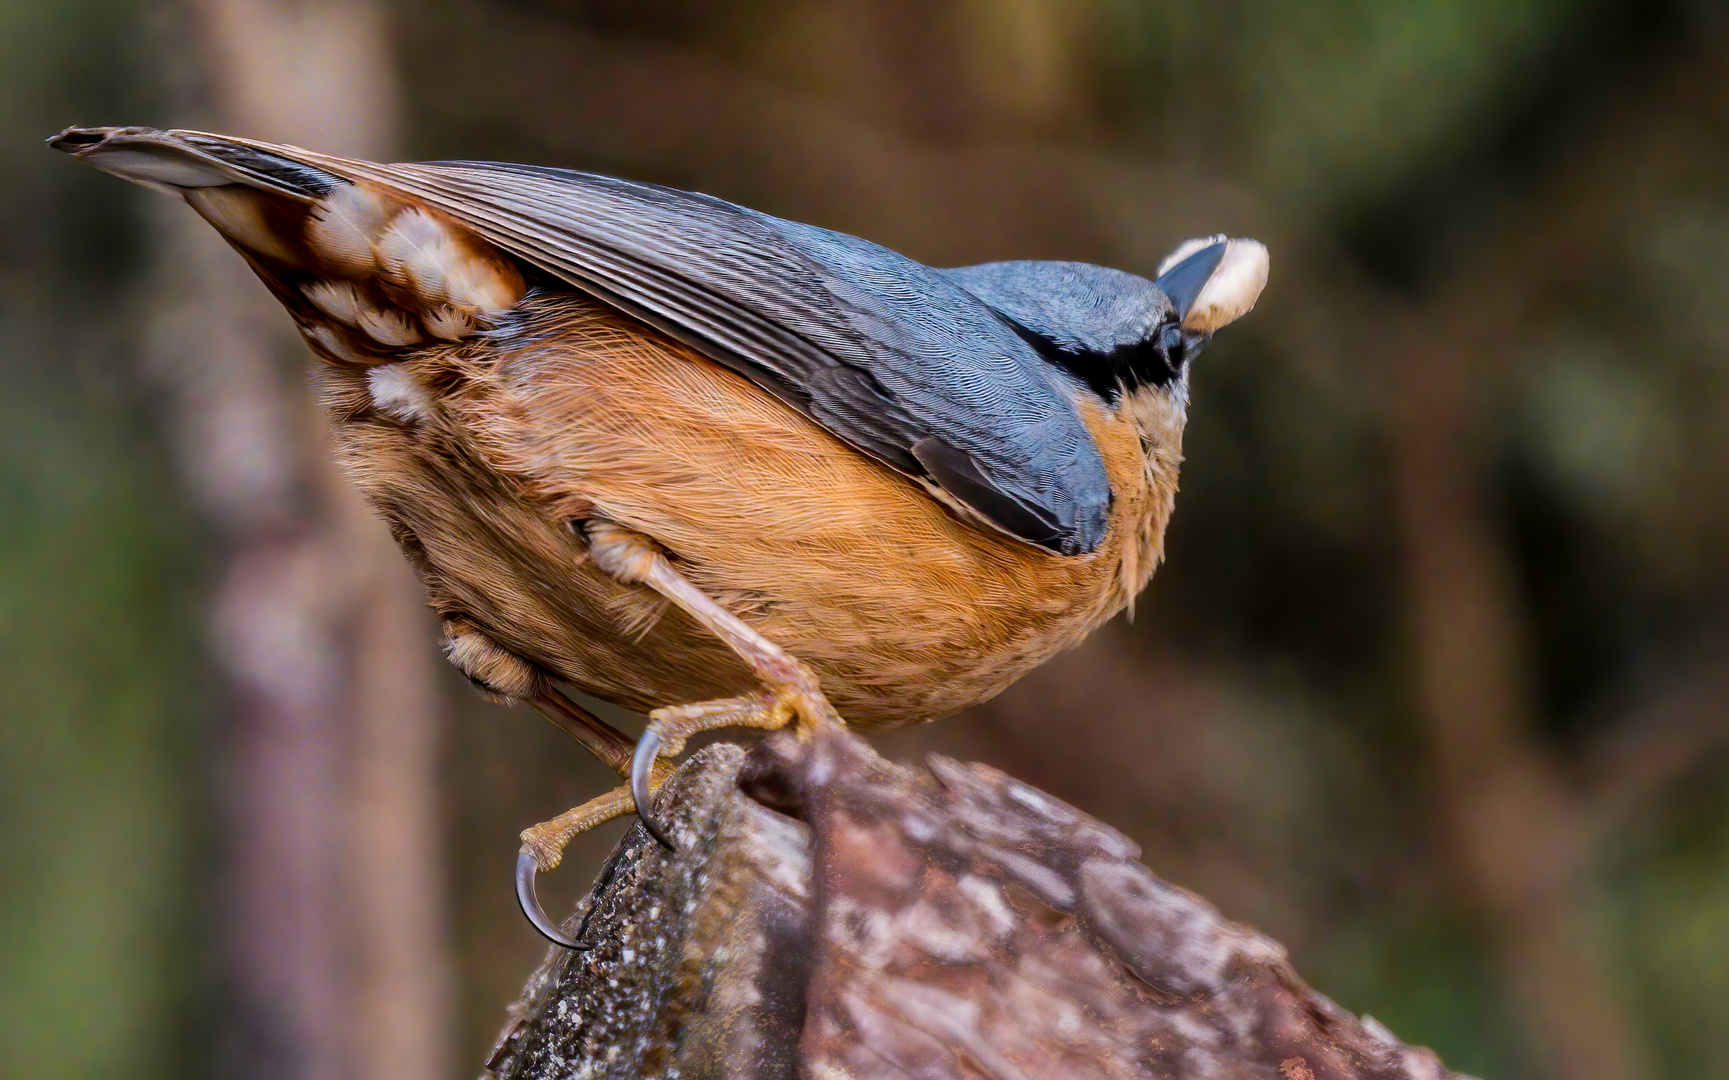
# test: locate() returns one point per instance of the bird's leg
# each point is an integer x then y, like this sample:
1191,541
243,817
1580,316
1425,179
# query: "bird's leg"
504,676
612,746
790,691
543,845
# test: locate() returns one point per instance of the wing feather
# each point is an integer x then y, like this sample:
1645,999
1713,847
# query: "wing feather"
884,352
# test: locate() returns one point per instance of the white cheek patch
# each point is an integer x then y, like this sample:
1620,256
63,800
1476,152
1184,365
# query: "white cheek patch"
1234,287
396,393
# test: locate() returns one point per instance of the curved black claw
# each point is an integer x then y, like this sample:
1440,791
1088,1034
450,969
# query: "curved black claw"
527,867
641,770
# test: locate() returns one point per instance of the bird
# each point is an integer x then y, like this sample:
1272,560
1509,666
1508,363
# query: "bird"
705,463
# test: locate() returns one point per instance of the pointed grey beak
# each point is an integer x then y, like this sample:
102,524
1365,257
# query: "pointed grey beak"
1184,281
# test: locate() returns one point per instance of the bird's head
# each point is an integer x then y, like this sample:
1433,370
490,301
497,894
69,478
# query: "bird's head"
1118,332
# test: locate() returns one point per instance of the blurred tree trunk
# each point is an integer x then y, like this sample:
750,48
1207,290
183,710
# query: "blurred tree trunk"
335,954
1519,831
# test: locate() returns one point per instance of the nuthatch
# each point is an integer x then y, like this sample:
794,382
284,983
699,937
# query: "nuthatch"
667,450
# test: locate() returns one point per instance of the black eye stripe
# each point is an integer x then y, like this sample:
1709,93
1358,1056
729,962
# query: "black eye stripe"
1154,362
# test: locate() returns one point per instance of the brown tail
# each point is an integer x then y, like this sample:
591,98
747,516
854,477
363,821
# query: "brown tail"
366,272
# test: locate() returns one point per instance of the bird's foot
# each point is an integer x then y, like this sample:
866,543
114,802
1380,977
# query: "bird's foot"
790,690
798,700
543,849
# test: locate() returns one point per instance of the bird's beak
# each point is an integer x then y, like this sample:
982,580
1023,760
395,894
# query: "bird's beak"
1213,281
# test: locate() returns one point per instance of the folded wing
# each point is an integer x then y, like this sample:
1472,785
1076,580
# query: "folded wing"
883,352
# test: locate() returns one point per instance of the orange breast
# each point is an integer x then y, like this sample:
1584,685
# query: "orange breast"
906,611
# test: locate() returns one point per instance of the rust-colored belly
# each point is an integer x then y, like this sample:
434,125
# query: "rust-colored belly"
906,612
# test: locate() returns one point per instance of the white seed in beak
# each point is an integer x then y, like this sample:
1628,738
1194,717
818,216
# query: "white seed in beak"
1231,292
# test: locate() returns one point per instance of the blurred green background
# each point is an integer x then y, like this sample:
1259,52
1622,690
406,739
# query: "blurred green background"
1434,686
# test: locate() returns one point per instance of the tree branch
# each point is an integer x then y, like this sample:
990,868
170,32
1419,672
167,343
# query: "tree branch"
835,915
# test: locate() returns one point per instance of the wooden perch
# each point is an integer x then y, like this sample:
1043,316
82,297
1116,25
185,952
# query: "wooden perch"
833,915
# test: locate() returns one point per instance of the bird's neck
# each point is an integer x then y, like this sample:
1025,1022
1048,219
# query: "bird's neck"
1158,414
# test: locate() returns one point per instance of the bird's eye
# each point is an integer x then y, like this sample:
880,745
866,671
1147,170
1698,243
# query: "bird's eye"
1173,346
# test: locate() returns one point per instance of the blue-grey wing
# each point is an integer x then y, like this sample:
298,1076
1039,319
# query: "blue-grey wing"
883,352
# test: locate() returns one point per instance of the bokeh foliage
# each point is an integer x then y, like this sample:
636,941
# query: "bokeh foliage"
102,767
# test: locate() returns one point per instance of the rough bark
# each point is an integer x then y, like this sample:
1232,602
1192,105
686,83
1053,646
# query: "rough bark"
831,914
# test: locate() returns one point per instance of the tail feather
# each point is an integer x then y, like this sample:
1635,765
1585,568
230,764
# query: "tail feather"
191,159
367,272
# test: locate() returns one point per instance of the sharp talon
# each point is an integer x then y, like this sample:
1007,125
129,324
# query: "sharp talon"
527,868
641,769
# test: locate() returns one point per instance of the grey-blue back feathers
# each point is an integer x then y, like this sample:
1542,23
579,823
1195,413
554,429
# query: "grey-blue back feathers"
892,356
1078,307
969,380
